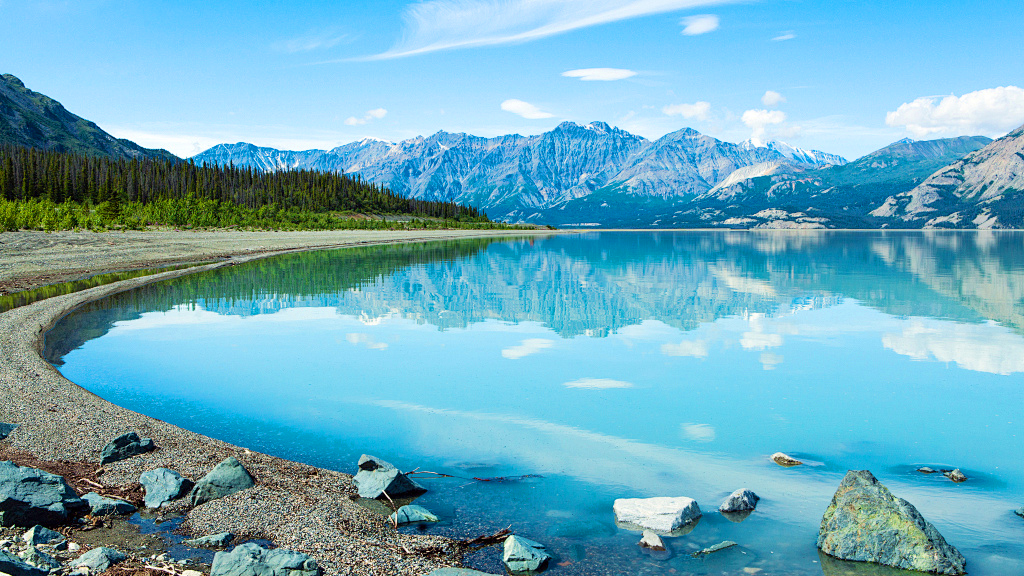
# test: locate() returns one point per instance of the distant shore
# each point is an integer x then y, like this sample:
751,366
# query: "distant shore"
295,506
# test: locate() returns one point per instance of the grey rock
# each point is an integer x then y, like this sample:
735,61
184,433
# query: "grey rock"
785,460
163,485
524,555
103,506
411,513
252,560
375,477
712,549
652,540
6,429
458,572
41,535
11,564
125,446
926,470
226,478
29,496
866,523
661,514
34,557
99,559
955,475
742,500
222,540
1019,511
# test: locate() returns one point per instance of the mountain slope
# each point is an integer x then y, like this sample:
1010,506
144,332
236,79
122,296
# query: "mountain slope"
34,120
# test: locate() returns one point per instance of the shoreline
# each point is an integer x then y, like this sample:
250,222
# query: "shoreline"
294,505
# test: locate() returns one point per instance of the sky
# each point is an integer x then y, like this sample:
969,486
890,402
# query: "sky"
842,76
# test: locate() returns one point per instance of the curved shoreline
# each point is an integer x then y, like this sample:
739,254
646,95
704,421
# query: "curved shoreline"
294,505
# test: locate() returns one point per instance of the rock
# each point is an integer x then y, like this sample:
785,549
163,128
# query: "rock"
34,557
163,485
6,429
221,540
41,535
375,477
866,523
103,506
252,560
652,541
712,549
191,573
524,555
1019,511
926,470
29,496
411,513
457,572
14,566
742,500
663,514
99,559
955,475
125,446
785,460
73,547
226,478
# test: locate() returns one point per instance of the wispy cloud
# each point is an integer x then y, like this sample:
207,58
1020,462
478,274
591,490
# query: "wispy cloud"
693,348
787,35
702,24
772,98
375,114
448,24
597,384
309,43
527,347
697,110
602,74
524,109
993,111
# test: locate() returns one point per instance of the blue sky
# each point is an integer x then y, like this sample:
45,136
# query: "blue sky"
842,76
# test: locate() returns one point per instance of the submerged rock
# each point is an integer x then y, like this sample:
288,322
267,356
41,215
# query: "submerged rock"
866,523
103,506
524,555
411,514
742,500
29,496
163,485
712,549
651,540
253,560
6,429
375,477
125,446
663,514
41,535
955,475
785,460
222,540
926,470
99,559
226,478
11,564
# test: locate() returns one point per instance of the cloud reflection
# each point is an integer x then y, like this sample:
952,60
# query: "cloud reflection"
527,347
598,383
980,347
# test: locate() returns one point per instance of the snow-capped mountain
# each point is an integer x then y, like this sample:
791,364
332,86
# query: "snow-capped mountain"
800,156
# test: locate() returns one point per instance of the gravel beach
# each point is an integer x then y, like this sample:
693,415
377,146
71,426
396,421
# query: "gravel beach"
293,505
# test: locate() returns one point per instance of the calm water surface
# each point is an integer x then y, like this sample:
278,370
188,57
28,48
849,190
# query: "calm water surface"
611,365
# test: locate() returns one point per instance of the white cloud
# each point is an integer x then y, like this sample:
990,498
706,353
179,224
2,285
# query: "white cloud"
524,109
702,24
760,340
772,98
375,114
698,432
448,24
309,43
527,347
360,339
597,383
603,74
787,35
694,348
979,347
697,110
769,361
759,120
993,111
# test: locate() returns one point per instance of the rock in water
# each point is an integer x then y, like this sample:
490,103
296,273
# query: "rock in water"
252,560
955,475
103,506
375,477
785,460
40,535
866,523
222,540
163,485
99,559
742,500
926,470
125,446
458,572
524,555
411,514
11,564
226,478
712,549
6,429
663,514
29,496
1019,511
652,541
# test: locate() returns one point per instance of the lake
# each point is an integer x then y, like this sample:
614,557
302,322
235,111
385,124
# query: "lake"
588,367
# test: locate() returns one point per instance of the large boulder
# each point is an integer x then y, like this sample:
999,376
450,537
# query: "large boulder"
524,555
252,560
99,559
866,523
226,478
6,429
11,564
163,485
125,446
411,514
103,506
29,496
661,514
742,500
41,535
377,477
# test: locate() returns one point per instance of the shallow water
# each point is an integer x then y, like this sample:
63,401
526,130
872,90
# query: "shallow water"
611,365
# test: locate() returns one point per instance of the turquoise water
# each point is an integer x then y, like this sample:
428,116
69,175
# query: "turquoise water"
610,365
